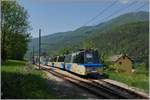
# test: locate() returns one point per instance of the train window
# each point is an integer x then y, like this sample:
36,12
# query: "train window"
52,59
61,59
91,57
80,58
67,58
55,58
72,58
77,58
49,59
96,57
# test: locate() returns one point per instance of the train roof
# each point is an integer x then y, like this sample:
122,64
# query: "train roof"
83,50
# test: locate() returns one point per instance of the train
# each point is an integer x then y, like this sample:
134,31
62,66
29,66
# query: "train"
82,62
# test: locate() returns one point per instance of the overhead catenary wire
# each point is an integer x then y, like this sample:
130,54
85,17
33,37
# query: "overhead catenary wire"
141,6
137,9
100,13
127,8
118,11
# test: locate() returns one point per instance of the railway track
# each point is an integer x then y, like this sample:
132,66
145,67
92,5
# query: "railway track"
92,88
99,88
121,90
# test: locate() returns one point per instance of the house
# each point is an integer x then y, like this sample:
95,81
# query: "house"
121,63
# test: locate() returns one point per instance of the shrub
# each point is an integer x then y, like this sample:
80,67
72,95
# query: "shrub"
141,69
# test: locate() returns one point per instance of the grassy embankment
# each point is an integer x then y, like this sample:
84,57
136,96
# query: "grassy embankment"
20,81
138,79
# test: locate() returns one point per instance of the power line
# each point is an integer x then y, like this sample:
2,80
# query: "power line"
104,10
120,10
141,6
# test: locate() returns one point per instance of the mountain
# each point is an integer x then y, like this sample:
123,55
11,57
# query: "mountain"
122,30
131,38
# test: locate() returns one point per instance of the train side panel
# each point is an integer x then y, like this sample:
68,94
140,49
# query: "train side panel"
59,65
92,68
81,70
49,64
73,67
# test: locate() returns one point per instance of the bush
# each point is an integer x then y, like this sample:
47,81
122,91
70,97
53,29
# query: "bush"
141,69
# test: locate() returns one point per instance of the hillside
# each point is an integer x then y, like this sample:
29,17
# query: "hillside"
130,38
127,33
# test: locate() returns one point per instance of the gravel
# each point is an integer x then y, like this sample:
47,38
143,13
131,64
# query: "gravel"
64,89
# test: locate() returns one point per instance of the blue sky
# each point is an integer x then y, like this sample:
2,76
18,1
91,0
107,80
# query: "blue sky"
54,16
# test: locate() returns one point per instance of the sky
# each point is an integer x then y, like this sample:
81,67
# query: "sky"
52,16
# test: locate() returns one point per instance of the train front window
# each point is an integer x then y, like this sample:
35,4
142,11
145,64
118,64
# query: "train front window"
88,58
61,59
91,57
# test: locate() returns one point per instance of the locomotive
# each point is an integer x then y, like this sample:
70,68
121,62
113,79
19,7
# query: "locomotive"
82,62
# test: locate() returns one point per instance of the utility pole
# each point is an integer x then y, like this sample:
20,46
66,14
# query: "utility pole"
33,51
33,60
39,46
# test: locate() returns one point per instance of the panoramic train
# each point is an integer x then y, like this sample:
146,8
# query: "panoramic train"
82,62
57,61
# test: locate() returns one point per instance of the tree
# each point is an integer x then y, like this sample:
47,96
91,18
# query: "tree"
15,27
64,51
88,44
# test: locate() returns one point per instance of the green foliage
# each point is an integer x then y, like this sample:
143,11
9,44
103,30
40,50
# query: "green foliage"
88,44
20,82
141,69
64,51
133,37
136,80
14,26
112,67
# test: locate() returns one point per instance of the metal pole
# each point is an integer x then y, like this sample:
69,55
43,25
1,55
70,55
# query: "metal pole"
33,51
33,55
39,46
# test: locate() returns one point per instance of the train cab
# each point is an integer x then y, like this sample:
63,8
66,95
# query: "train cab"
83,62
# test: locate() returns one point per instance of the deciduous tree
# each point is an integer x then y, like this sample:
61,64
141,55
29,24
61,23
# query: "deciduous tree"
15,27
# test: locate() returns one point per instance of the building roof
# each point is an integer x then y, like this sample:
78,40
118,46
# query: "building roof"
114,57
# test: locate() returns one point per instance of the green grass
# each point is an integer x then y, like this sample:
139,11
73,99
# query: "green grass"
20,81
136,80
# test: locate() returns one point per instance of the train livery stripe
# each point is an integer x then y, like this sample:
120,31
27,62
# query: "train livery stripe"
92,65
68,67
62,65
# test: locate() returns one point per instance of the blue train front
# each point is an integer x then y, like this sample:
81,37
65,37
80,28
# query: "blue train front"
83,62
